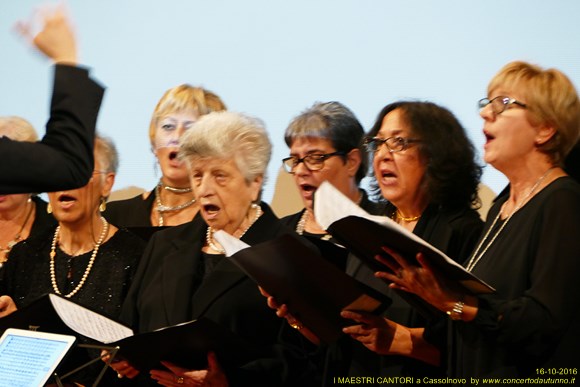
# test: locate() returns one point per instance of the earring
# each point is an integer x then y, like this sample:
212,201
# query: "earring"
103,205
48,209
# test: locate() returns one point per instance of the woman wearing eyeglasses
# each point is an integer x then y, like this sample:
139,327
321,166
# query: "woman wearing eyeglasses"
529,248
426,176
424,168
325,145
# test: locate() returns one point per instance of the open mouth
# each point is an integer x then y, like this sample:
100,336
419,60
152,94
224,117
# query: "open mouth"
64,198
308,188
210,211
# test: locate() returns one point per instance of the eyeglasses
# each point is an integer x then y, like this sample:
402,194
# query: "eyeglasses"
314,162
499,103
394,144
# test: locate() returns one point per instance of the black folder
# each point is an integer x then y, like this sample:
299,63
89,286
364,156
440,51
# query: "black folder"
314,289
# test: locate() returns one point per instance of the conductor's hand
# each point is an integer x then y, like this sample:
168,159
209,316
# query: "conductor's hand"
56,38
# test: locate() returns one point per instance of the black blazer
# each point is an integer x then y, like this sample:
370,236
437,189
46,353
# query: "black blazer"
163,293
64,158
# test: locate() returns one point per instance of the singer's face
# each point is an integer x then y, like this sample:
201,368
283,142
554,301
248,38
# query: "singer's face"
169,130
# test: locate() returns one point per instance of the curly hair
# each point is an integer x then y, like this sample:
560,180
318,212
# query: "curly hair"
452,174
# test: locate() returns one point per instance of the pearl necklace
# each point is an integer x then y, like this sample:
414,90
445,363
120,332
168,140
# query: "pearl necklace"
221,250
302,224
104,232
161,208
475,258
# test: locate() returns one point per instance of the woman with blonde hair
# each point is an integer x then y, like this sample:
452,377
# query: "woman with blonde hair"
171,202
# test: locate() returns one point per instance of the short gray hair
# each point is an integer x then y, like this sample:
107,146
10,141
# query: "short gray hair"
227,135
106,152
17,129
334,122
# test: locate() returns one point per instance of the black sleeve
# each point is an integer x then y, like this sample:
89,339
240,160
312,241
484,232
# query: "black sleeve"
63,159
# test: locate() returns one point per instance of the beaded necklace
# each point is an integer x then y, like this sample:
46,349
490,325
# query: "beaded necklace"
209,233
475,258
302,224
104,232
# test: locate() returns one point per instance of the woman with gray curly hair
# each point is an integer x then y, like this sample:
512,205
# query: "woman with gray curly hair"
226,154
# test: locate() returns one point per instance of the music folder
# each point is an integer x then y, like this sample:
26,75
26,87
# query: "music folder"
314,289
366,234
184,344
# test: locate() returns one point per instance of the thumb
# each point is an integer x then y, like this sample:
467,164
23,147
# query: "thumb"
212,361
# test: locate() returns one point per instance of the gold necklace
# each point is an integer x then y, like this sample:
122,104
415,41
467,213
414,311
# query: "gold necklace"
18,237
475,258
399,216
209,233
104,232
161,208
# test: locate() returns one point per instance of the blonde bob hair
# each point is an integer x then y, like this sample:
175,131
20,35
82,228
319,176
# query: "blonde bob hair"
182,98
18,129
229,135
551,100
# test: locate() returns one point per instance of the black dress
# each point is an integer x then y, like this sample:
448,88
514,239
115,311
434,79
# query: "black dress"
534,264
27,277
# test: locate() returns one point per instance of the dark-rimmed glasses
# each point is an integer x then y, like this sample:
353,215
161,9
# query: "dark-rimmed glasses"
394,144
499,103
314,161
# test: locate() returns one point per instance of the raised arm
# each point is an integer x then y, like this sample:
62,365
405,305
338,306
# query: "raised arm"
63,159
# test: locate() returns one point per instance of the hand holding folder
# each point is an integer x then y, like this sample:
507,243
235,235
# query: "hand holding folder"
314,290
366,234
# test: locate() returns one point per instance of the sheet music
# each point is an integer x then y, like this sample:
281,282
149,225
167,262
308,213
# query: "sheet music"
29,361
89,323
331,205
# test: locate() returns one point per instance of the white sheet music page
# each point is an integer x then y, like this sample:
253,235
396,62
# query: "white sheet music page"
331,205
230,243
89,323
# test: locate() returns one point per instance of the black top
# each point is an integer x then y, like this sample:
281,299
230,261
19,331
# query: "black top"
455,233
42,221
27,277
534,319
168,290
132,212
452,231
63,159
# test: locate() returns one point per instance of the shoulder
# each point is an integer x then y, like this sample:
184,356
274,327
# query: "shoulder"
135,211
561,197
